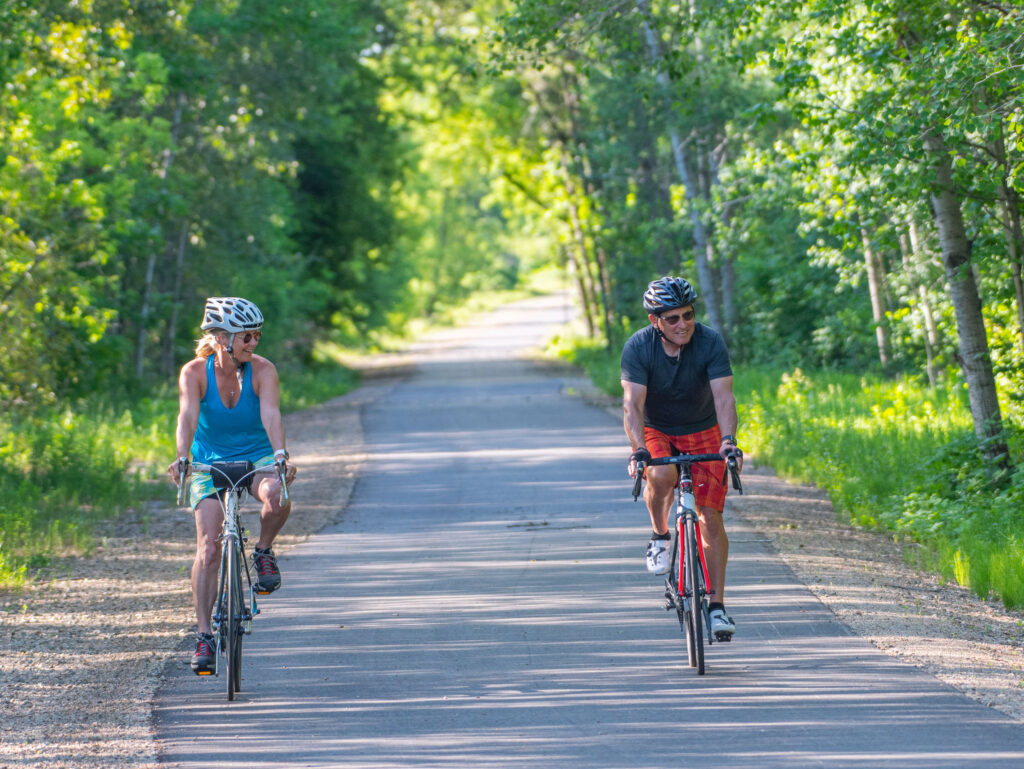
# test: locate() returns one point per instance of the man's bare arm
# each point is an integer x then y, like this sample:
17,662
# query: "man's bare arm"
725,405
634,396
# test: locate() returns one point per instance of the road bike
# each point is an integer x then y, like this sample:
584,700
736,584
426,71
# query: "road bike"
687,585
236,603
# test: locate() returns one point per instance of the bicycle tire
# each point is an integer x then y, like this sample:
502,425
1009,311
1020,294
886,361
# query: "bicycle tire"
682,604
696,613
240,631
232,622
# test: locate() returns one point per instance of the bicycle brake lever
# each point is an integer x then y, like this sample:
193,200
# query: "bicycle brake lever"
639,478
735,473
283,500
183,470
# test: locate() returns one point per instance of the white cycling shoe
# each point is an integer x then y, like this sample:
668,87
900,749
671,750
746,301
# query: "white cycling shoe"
721,623
658,555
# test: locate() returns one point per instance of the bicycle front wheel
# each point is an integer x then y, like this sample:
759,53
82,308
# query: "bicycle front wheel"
695,587
679,561
232,627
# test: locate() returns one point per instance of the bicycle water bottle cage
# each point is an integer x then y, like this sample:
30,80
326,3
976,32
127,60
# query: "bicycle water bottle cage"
227,474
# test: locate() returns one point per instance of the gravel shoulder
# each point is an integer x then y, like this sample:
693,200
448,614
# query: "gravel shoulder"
84,648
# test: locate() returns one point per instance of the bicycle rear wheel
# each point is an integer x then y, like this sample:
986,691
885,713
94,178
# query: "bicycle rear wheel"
695,586
232,627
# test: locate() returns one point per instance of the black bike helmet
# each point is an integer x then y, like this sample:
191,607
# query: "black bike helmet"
667,294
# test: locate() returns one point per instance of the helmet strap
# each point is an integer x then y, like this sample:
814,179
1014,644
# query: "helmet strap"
657,326
239,366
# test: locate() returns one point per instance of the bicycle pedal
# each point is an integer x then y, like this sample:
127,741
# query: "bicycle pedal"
205,673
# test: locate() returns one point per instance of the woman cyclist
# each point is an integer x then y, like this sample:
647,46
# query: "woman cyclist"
229,411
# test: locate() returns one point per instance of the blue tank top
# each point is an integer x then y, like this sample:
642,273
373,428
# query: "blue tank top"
229,435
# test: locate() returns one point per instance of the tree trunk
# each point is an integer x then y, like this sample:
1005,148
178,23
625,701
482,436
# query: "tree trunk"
598,302
878,307
581,287
931,334
701,245
148,288
726,265
1012,230
654,192
140,342
963,290
172,322
589,190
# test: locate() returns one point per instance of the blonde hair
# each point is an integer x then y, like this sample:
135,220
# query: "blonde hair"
208,344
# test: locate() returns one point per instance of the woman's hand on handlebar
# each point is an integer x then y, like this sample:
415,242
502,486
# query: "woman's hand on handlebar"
290,470
176,468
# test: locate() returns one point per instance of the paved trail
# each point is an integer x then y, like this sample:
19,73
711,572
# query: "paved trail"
484,604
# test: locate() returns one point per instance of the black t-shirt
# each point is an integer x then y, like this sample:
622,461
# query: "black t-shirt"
679,398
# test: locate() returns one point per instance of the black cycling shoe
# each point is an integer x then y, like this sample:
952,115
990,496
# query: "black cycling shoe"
204,661
268,576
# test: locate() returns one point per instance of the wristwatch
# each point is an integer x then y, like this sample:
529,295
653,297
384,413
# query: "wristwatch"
282,454
729,439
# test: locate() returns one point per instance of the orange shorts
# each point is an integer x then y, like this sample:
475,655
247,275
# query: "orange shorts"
709,484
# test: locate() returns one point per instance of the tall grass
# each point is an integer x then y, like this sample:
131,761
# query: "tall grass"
61,471
891,454
64,470
897,455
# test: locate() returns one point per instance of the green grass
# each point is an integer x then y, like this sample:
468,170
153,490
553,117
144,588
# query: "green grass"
891,454
55,461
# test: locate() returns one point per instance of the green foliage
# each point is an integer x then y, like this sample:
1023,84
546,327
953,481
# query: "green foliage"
359,168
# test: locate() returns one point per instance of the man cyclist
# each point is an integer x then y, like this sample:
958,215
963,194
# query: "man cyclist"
678,398
229,411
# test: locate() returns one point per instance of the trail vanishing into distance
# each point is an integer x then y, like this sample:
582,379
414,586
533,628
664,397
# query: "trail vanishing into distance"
484,603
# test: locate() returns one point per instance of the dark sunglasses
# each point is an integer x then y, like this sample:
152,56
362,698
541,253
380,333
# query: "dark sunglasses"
673,319
248,336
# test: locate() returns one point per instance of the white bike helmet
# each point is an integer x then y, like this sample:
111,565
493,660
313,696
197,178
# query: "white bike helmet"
231,313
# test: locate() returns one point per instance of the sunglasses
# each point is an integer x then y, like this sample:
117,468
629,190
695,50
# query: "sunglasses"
673,319
248,336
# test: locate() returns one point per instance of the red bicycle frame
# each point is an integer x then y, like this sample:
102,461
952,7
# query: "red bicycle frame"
687,488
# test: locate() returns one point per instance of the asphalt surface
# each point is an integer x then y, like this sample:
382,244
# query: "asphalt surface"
484,603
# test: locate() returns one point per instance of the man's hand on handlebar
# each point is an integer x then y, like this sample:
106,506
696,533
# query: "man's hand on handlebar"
730,450
640,455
